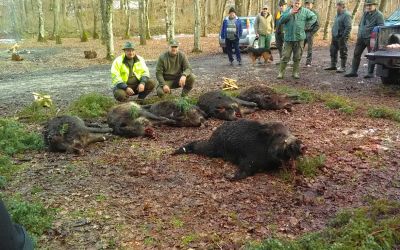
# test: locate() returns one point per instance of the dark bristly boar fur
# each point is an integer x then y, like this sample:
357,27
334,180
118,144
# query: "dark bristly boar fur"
70,134
251,145
219,105
266,98
184,114
131,120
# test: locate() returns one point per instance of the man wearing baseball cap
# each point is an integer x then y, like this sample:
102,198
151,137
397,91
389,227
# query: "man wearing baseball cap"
130,75
340,35
173,71
372,17
264,26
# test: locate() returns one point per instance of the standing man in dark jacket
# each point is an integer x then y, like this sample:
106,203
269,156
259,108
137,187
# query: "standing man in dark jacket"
340,35
231,31
279,33
311,29
295,20
173,71
371,18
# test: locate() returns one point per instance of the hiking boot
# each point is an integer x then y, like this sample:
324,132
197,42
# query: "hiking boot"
369,76
351,74
330,68
341,70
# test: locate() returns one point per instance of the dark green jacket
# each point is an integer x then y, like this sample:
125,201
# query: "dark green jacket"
342,25
294,24
313,27
368,21
172,67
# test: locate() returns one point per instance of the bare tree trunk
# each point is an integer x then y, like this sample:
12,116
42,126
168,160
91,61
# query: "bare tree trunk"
56,29
127,34
146,19
95,8
107,20
197,26
239,4
14,21
41,21
382,6
23,14
78,13
249,7
142,28
223,10
204,30
353,14
328,18
170,19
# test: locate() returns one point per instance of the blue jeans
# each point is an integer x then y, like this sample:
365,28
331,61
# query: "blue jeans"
233,44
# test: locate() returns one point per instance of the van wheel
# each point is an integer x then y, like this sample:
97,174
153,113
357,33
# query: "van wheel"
392,78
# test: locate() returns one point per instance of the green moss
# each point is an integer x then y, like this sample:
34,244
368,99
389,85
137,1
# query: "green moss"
15,138
376,226
85,36
340,103
384,113
91,105
34,216
36,113
309,166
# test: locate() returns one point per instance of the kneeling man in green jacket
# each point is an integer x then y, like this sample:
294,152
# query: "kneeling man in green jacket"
130,75
174,71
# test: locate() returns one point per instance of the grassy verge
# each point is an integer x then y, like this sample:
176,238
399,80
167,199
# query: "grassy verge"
376,226
305,96
309,166
340,103
36,113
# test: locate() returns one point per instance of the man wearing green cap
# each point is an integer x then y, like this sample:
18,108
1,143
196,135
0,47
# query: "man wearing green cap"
264,26
311,29
372,17
294,20
173,71
130,75
340,35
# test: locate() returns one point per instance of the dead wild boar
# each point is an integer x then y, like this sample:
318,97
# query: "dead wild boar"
131,120
70,134
266,98
251,145
219,105
184,114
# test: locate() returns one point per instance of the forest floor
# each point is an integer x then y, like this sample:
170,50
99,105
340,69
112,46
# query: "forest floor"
132,194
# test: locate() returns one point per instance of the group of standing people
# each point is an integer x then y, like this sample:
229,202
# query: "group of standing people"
295,27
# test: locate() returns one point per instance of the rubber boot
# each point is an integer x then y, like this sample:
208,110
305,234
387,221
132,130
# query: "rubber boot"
296,70
332,67
342,68
282,68
371,68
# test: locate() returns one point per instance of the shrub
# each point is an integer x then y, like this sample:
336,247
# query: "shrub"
91,105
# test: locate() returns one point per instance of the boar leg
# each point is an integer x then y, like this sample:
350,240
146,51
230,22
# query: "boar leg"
158,119
245,170
245,103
